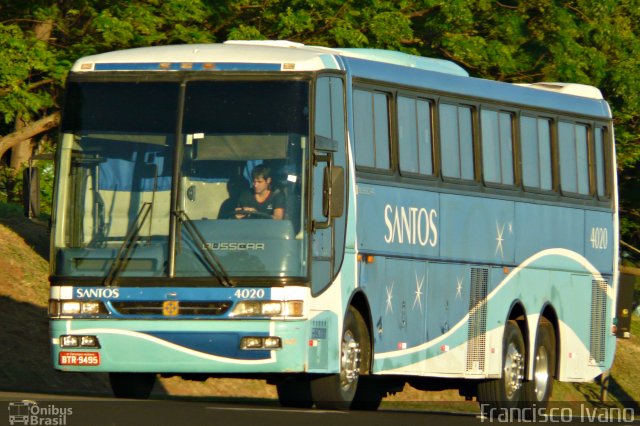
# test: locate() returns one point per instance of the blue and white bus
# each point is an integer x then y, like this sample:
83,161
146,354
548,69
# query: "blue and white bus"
439,230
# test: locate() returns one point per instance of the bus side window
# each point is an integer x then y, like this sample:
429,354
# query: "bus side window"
574,159
371,129
536,152
414,136
497,146
600,162
456,141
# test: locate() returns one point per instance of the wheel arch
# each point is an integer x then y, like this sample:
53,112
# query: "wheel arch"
360,302
518,313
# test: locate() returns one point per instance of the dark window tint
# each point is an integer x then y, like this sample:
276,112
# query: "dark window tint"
121,107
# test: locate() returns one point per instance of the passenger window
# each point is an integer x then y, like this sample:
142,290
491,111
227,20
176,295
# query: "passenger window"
371,129
497,147
414,134
600,157
574,158
456,140
536,152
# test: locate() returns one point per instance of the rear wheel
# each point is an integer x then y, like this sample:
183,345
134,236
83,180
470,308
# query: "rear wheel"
337,391
506,392
537,391
132,385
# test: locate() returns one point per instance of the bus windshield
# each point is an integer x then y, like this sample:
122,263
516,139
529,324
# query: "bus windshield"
126,146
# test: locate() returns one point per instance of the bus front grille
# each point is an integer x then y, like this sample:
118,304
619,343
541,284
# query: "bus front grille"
182,309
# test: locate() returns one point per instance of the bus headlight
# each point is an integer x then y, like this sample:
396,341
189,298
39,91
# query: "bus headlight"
268,342
69,341
59,308
268,308
70,308
73,341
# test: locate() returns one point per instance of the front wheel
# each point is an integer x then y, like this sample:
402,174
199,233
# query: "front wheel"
295,393
337,391
132,385
506,392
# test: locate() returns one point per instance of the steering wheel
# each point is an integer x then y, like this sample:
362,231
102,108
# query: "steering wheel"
253,213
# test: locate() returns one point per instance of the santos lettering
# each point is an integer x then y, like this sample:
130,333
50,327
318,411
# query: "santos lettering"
411,225
97,293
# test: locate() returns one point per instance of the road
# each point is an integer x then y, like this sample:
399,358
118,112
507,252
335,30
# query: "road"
48,409
103,411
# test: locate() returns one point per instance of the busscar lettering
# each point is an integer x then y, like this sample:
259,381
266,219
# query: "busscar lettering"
411,225
233,246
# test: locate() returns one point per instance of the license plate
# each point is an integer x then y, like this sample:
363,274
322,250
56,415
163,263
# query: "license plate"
79,358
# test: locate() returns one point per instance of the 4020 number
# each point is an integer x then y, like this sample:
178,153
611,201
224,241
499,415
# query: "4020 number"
249,293
599,238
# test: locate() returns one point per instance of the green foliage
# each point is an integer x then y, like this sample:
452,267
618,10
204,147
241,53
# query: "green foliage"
582,41
26,62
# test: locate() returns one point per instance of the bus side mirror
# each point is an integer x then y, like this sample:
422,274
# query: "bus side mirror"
31,192
332,193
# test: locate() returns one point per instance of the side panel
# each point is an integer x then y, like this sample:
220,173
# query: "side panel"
450,267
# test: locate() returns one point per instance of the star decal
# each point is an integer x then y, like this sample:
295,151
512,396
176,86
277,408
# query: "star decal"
459,287
418,293
499,239
389,297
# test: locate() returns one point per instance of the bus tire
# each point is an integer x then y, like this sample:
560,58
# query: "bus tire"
506,392
294,393
538,390
337,391
368,395
132,385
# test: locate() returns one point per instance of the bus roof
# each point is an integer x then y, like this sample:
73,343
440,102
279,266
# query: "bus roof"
370,64
254,55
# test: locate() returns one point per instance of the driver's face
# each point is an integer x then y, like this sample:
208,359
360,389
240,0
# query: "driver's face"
260,185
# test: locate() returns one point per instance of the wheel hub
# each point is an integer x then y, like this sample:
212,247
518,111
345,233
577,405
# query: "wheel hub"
513,370
541,373
350,360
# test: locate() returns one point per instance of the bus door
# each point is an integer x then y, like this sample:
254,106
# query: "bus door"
329,182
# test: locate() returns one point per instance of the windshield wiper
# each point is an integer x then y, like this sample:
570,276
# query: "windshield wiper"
209,257
130,240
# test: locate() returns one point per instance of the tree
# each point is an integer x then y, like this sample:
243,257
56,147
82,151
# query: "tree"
40,40
582,41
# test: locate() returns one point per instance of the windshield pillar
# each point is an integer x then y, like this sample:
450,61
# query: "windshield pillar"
175,186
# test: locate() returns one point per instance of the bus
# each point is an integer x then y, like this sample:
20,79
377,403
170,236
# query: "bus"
434,229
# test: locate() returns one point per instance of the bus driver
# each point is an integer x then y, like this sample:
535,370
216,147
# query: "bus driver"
262,202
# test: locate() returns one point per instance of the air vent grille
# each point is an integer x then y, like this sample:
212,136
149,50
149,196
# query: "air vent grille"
598,322
477,321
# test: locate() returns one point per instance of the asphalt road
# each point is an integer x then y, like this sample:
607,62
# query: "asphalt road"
47,409
101,411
